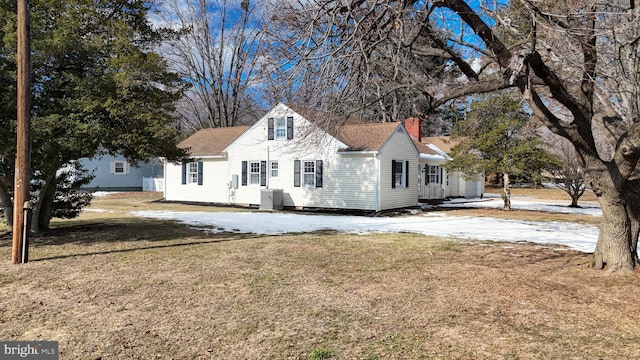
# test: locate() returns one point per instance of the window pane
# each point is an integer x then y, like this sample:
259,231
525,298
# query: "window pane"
274,169
434,174
399,174
119,167
309,173
192,176
254,170
281,128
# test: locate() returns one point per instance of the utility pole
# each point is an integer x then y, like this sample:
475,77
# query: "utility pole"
23,141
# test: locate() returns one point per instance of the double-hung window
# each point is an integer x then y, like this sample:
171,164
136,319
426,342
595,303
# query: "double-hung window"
399,173
309,173
254,172
119,167
433,174
274,169
281,128
192,173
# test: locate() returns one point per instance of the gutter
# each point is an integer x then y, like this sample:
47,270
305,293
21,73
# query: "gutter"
375,153
432,157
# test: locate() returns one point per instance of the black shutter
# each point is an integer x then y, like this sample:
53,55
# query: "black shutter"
426,174
290,128
270,129
393,174
184,173
244,173
199,172
441,176
263,173
406,174
318,173
296,173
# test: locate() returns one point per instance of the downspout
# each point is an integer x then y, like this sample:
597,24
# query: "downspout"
268,169
377,160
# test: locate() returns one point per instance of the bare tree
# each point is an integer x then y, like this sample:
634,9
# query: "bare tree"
574,62
218,49
568,175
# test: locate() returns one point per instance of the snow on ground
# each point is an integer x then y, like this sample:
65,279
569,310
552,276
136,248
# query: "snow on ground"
575,236
525,203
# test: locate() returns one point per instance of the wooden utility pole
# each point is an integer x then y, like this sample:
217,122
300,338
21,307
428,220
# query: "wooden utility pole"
23,143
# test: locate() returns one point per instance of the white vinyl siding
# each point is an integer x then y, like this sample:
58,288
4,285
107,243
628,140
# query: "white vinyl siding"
333,179
398,149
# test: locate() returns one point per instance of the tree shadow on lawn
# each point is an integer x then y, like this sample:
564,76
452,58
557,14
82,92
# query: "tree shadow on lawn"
119,235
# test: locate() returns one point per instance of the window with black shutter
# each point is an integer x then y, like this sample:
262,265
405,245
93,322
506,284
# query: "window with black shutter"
399,173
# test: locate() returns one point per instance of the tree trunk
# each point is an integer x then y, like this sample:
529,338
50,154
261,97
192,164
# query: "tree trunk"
506,192
633,209
7,205
613,249
42,209
574,200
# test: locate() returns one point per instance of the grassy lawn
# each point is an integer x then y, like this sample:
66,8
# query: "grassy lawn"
111,286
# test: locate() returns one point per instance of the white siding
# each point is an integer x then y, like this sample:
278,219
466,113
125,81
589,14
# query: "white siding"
350,180
398,147
215,183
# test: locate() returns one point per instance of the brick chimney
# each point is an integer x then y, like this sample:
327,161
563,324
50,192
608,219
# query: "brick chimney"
413,126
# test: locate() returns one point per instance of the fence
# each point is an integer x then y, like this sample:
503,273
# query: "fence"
152,184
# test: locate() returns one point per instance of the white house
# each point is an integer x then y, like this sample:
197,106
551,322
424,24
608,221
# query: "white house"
285,159
434,179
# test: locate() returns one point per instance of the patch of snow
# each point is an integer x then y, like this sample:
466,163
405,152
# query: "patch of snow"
524,203
575,236
103,193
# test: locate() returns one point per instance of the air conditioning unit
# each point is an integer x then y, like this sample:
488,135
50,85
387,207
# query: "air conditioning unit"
271,199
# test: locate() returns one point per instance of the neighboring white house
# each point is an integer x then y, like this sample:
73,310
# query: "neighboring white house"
435,181
115,173
284,159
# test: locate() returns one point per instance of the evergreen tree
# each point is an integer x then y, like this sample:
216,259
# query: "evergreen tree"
97,87
497,137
